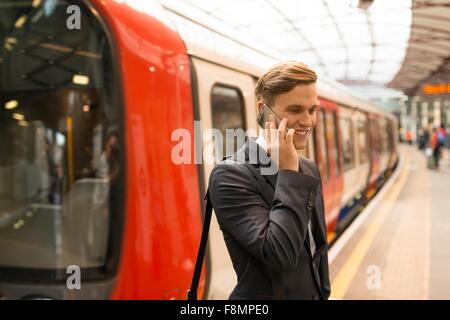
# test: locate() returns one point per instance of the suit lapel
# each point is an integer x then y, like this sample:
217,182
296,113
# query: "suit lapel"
272,179
263,160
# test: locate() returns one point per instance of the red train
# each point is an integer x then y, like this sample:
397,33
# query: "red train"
91,203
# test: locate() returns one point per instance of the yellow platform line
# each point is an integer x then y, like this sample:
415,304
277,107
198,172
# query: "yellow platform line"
346,274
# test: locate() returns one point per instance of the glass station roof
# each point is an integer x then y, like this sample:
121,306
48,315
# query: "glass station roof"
360,43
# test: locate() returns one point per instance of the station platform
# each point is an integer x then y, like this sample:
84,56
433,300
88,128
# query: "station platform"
399,246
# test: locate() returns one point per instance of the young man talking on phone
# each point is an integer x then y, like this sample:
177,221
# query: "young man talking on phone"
273,225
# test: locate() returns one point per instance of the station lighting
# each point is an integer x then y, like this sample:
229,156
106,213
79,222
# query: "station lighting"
80,79
11,104
20,21
9,43
19,223
18,116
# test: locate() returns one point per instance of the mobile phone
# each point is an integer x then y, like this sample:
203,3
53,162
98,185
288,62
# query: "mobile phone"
263,117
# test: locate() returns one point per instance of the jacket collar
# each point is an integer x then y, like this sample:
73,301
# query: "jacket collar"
251,147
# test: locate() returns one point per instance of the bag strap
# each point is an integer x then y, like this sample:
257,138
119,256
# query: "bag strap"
192,292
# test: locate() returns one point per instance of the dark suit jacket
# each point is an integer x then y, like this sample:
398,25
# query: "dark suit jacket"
265,227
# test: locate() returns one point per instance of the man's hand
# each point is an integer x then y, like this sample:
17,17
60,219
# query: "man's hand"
279,142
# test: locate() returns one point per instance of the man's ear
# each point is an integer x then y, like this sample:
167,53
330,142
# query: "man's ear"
260,105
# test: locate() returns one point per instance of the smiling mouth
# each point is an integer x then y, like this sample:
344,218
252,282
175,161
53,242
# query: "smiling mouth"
303,133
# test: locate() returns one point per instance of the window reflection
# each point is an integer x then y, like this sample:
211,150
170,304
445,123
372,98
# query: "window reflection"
346,127
228,113
362,141
323,146
60,152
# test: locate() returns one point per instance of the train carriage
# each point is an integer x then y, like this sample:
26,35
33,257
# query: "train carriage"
88,125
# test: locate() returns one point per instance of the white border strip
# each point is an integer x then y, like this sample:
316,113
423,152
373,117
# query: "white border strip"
345,237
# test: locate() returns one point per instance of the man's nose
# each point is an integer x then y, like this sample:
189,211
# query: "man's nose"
305,120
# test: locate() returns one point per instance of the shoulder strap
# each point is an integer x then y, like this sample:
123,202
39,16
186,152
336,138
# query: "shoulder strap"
192,292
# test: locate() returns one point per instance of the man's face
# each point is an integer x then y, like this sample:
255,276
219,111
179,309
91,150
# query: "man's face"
299,107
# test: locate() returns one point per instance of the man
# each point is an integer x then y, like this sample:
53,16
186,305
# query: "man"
273,225
437,143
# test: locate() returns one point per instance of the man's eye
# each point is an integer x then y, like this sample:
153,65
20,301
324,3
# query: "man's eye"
311,111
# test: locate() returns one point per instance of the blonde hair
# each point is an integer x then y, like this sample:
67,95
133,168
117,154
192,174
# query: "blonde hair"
282,78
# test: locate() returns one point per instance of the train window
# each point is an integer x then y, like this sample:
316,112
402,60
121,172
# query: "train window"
384,135
389,137
335,140
346,127
375,135
323,145
61,160
308,152
362,141
228,113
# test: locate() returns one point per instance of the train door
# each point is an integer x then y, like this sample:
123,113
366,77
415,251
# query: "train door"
328,158
362,144
375,148
352,179
336,149
356,164
384,147
225,101
392,140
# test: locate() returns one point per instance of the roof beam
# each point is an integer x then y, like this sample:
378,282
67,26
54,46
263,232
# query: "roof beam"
341,35
425,4
428,28
431,17
299,32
